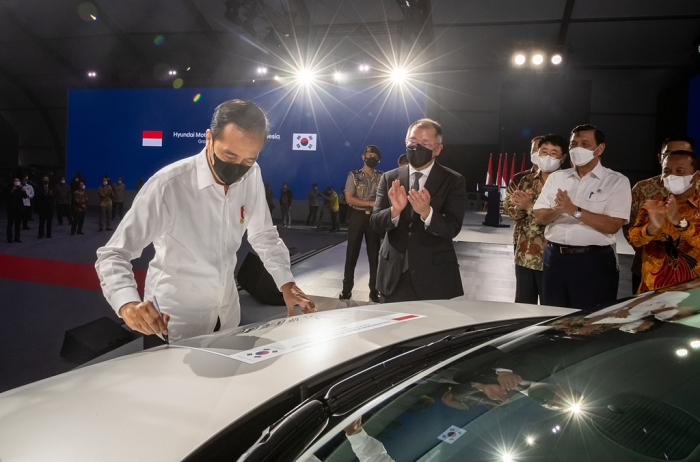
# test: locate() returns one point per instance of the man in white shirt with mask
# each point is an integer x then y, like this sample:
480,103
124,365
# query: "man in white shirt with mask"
583,208
195,211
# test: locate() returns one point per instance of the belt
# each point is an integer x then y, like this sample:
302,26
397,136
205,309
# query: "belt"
367,212
571,249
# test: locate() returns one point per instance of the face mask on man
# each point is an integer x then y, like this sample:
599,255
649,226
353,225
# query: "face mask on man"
548,164
677,185
581,156
17,183
63,181
82,187
418,155
104,183
119,181
228,173
371,161
533,158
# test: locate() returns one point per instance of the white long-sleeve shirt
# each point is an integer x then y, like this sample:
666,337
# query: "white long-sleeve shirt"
196,230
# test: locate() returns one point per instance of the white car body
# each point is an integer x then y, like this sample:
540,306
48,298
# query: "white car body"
161,404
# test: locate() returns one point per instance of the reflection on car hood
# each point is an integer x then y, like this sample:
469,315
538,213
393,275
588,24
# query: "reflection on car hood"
163,403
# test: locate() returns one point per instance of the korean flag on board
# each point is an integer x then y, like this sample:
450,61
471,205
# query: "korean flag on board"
304,142
452,434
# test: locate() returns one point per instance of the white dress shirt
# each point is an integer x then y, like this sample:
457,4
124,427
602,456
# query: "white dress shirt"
27,201
196,230
601,191
421,185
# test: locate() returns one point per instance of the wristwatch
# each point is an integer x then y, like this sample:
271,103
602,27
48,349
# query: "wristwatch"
682,224
577,213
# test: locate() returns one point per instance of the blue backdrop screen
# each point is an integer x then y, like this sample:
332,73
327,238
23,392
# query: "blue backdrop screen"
694,109
317,134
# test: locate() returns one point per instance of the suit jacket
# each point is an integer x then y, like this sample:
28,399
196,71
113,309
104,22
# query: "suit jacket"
432,260
44,200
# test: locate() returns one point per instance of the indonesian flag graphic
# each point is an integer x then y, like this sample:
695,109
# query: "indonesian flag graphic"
304,142
489,172
151,138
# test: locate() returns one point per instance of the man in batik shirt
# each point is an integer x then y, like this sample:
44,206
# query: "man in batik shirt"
651,189
517,178
668,230
530,241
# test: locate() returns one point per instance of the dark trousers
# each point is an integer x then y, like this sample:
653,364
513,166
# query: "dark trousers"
335,224
528,285
63,210
582,280
313,213
27,215
78,219
404,291
45,221
343,213
14,220
117,208
636,282
357,229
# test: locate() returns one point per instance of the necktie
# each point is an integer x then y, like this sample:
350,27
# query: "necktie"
416,177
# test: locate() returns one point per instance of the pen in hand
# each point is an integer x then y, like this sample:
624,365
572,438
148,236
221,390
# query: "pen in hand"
161,336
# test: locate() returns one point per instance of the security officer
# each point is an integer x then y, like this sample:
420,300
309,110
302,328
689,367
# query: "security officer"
360,193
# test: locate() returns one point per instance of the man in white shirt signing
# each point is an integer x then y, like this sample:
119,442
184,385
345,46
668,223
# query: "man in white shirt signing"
583,208
195,211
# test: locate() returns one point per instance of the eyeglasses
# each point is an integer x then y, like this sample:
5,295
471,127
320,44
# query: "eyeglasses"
413,143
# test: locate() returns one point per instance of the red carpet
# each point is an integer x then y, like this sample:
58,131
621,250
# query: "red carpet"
61,273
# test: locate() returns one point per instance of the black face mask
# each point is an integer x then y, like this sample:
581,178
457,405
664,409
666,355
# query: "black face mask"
228,173
418,155
371,162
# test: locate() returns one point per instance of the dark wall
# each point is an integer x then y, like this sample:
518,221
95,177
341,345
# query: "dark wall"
470,160
9,144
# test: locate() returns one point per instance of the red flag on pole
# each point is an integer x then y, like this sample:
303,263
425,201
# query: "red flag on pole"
499,174
504,177
522,166
512,169
489,172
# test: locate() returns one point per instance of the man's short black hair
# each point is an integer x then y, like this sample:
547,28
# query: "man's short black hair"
403,159
694,161
678,138
556,140
315,185
246,115
599,135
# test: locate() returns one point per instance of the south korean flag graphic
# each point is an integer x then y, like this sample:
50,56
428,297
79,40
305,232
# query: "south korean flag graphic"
451,435
304,142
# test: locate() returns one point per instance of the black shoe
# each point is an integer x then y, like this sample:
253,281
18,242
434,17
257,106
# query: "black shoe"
109,229
72,233
40,237
48,236
99,229
80,232
345,295
26,228
374,296
9,241
17,240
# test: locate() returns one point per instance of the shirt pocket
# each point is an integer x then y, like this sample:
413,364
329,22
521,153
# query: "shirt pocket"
596,202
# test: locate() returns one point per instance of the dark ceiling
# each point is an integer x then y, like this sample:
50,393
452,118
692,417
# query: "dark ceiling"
48,47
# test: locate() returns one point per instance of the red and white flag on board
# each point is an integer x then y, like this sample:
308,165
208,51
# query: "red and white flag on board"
499,173
151,138
489,172
504,178
523,166
512,169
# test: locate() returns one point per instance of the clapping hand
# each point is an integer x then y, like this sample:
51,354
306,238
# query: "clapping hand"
563,204
420,201
657,215
397,197
521,200
672,213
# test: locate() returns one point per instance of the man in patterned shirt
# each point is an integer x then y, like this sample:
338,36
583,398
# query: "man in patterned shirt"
529,247
651,189
513,185
668,230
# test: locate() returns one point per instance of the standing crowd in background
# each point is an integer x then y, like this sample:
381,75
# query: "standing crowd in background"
50,196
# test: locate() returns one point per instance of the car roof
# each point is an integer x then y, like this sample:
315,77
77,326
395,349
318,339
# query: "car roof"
163,403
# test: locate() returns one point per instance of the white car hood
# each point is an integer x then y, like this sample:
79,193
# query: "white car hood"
161,404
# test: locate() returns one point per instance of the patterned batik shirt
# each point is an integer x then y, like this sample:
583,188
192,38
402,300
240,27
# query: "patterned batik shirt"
649,189
671,255
512,186
529,247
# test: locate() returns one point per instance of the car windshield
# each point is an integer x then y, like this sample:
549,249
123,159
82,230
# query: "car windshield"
619,384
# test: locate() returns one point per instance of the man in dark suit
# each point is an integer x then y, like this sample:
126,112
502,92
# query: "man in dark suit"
417,259
45,204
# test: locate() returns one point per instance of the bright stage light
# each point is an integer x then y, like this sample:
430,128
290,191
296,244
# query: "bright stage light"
277,77
556,59
305,76
92,74
682,352
398,75
519,60
337,76
530,440
695,344
262,70
364,67
537,59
